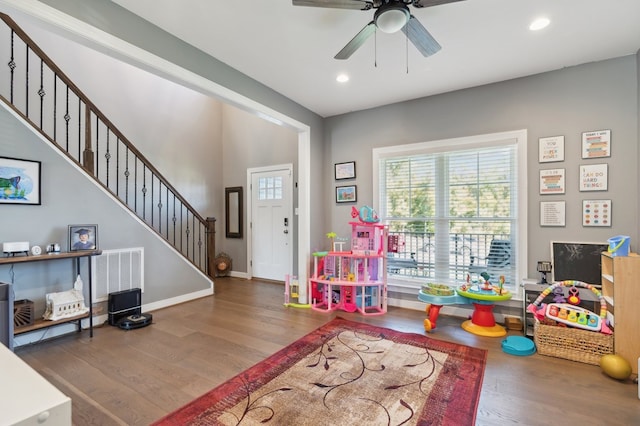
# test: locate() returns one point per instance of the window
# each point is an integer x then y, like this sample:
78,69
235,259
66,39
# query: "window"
454,208
270,188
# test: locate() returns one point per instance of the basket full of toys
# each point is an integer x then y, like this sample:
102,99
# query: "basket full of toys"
563,329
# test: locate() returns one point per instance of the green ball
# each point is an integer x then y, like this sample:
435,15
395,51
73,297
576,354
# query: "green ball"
615,366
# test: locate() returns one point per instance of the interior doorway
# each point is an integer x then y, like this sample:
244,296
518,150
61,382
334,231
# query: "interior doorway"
271,229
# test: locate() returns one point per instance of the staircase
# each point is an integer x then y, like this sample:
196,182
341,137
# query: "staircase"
36,89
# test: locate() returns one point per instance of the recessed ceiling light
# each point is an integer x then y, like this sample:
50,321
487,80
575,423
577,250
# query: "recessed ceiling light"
342,78
539,24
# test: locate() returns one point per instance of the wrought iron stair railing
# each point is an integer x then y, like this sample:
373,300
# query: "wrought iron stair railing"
37,89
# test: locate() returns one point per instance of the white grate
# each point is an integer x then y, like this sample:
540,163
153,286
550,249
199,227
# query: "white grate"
116,270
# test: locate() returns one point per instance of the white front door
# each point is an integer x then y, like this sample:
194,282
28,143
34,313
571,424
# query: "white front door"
272,222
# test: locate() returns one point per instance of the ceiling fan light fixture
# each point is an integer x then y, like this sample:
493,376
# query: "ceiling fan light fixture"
392,18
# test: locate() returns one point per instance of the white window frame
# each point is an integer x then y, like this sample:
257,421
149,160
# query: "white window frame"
517,137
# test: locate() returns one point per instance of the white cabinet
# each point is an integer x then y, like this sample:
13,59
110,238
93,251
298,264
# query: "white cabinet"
26,398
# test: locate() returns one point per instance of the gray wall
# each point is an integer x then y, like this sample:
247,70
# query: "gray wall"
199,144
117,21
249,142
69,197
567,102
180,130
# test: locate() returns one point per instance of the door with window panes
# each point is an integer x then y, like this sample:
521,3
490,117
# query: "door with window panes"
271,223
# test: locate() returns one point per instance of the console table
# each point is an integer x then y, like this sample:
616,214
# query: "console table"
75,255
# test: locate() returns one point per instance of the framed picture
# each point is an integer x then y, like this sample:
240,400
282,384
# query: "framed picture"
552,181
551,149
345,170
346,194
594,177
19,181
596,144
552,213
83,237
596,212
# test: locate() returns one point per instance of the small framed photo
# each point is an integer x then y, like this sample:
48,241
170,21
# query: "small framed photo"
19,181
596,144
346,194
594,177
551,149
345,170
83,237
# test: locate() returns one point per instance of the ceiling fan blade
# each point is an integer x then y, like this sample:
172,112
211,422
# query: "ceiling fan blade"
420,37
336,4
357,41
429,3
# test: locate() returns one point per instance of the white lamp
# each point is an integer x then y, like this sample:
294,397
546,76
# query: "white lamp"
391,18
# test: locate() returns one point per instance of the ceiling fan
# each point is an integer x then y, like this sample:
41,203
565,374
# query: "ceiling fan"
390,16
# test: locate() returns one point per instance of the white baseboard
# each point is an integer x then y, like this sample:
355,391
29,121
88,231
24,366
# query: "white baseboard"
159,305
453,310
236,274
460,311
42,334
59,330
178,299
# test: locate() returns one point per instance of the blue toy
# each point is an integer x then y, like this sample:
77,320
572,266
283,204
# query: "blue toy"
518,345
366,214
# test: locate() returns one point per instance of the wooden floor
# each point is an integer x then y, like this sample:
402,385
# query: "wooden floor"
135,377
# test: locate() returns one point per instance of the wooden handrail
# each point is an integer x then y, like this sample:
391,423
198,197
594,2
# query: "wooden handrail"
93,108
185,232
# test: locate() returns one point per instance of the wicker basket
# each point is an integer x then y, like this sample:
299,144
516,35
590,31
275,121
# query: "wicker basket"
571,343
23,313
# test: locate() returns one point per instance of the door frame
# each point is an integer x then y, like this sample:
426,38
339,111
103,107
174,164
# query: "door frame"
250,172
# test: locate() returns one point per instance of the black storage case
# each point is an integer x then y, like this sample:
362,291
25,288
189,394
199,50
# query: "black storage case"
6,315
124,303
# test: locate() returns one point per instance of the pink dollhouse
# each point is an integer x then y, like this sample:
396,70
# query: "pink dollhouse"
354,280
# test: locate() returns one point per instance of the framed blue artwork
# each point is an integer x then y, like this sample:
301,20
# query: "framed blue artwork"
19,181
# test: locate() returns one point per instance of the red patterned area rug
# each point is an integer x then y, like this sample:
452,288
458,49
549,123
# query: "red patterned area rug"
349,373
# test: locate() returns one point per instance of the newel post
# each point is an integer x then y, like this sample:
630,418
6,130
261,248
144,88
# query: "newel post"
87,154
211,246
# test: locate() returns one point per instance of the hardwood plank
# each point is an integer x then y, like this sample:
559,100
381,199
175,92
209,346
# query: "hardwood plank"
137,376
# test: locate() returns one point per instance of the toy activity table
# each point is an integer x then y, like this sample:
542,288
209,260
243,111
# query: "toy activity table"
483,298
482,320
434,303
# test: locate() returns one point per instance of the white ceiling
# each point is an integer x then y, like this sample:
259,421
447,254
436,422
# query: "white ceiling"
291,48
